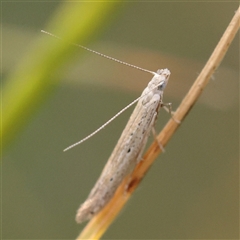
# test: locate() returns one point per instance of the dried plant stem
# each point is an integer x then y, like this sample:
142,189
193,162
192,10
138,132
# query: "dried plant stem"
98,225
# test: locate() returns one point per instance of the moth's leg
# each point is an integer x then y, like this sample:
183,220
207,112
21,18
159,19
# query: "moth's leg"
168,108
155,137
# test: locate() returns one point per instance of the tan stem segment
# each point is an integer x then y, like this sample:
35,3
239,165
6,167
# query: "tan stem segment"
98,225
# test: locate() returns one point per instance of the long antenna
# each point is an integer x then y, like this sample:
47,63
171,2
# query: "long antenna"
100,54
121,111
103,126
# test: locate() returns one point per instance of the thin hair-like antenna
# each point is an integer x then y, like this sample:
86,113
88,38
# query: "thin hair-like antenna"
110,120
103,126
121,111
101,54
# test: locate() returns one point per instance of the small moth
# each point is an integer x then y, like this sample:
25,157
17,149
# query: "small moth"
128,151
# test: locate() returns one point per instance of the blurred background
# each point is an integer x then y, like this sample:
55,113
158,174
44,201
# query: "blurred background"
55,94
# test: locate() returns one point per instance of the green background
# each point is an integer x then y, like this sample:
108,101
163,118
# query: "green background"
192,190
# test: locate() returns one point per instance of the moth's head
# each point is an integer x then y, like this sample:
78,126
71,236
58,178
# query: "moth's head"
162,76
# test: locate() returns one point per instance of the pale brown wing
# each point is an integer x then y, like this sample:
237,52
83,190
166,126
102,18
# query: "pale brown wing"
123,159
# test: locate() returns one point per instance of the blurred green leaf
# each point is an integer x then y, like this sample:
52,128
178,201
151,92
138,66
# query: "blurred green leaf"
29,85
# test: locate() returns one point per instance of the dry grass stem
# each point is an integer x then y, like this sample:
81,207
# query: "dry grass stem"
98,225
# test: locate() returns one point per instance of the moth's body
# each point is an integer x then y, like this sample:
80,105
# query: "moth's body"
129,149
130,146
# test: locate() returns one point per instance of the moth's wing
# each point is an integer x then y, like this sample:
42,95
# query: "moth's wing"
123,159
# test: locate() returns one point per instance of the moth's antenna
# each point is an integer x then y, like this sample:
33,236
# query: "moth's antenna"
103,126
121,111
102,55
111,119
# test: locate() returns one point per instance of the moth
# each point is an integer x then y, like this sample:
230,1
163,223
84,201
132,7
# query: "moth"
131,144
